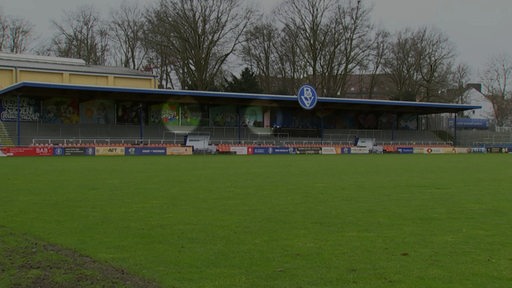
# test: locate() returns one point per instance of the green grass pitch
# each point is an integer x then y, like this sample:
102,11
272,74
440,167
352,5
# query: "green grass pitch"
273,221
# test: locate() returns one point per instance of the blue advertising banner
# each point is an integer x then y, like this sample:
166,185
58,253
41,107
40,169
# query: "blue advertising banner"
282,150
142,151
73,151
272,150
260,150
405,150
58,151
345,150
468,123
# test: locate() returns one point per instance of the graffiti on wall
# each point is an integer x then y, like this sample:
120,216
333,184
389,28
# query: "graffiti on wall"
97,112
131,112
252,117
224,116
29,109
165,113
60,111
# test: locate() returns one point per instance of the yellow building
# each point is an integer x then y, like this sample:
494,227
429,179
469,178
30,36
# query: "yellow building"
28,68
33,109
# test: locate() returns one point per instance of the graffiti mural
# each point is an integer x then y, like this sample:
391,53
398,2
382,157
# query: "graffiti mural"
30,109
193,114
252,117
130,112
164,113
224,116
60,111
97,112
408,122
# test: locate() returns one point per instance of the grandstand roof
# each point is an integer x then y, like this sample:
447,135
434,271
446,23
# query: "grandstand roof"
60,64
43,90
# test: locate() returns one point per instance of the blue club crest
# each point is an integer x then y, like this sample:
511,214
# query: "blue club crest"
307,97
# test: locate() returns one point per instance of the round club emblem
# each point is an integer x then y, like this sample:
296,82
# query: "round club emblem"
307,97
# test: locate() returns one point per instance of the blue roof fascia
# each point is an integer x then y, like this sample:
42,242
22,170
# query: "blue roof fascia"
78,87
236,95
232,95
147,91
398,103
11,88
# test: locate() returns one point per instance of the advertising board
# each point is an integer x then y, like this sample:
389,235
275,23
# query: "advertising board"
259,150
497,150
186,150
359,150
478,150
239,150
143,151
110,151
435,150
308,150
462,150
73,151
469,123
27,151
343,150
405,150
270,150
282,150
328,150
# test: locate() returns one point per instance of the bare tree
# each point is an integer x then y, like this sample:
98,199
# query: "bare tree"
259,51
127,28
291,67
435,56
419,63
82,34
353,19
200,37
4,27
497,82
459,81
308,21
375,59
16,34
400,64
19,32
332,39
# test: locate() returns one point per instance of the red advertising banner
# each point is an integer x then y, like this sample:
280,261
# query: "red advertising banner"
27,151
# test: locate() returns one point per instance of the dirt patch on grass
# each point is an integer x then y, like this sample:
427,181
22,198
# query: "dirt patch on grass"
27,262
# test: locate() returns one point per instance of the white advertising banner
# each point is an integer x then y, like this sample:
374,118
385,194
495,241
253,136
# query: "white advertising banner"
328,150
359,150
238,150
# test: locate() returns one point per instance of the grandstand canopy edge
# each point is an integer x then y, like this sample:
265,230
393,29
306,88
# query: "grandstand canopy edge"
46,90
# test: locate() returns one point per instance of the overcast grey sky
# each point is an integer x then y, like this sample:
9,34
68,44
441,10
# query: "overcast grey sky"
479,28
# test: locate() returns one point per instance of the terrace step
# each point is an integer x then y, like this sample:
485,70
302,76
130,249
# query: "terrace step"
5,138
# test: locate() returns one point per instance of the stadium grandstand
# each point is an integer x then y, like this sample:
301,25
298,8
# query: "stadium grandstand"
64,102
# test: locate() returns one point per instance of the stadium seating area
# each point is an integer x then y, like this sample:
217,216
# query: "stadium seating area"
483,138
87,135
224,138
34,133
